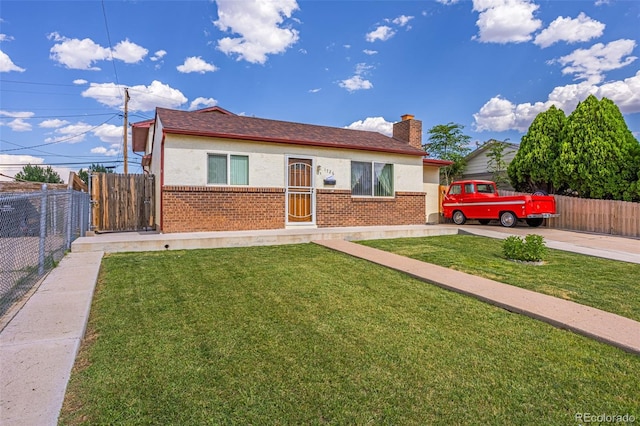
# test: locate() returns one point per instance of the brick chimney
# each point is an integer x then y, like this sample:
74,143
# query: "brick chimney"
409,130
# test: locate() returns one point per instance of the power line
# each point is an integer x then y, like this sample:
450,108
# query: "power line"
62,140
66,116
62,164
106,25
39,83
50,154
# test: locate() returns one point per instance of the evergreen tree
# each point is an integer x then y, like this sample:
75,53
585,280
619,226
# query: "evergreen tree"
38,174
93,168
598,156
532,168
447,142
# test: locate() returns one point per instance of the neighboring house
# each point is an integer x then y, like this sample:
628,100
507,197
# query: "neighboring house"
477,163
217,171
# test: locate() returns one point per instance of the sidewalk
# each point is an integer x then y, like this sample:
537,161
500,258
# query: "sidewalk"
38,347
603,326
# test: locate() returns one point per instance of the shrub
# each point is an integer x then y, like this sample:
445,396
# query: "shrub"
531,249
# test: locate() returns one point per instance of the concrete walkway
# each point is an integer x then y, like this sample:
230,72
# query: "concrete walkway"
39,345
603,326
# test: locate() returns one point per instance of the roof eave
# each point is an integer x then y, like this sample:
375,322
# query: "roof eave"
413,152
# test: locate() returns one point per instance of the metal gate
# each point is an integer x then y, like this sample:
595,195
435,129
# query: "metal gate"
122,202
300,192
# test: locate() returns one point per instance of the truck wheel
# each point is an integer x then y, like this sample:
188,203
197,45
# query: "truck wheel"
535,222
484,221
459,218
508,219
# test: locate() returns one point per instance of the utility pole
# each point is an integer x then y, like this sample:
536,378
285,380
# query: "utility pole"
126,125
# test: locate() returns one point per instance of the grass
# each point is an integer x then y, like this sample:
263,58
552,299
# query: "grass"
303,335
605,284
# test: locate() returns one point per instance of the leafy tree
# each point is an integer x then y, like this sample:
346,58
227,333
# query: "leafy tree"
93,168
598,156
447,142
532,168
38,174
496,163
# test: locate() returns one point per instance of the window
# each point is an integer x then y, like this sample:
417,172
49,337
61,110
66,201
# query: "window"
468,188
371,179
485,188
223,169
455,190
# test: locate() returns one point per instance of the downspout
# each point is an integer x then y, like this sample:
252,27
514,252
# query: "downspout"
162,181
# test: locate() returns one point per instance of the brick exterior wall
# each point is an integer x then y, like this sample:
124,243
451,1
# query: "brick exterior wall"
335,208
203,208
409,130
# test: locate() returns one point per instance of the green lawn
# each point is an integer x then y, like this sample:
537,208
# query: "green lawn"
601,283
300,334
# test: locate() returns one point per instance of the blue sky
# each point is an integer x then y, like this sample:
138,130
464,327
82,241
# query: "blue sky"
490,65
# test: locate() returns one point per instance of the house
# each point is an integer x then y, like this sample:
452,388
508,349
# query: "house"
218,171
478,163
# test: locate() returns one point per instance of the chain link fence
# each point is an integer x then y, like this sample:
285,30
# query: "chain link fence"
36,229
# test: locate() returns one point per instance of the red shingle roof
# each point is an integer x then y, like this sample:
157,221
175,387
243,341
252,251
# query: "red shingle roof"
264,130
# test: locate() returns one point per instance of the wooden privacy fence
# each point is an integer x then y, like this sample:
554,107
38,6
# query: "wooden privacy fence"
122,202
600,216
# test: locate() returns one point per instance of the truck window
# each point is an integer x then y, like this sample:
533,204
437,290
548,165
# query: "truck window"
455,190
485,188
468,188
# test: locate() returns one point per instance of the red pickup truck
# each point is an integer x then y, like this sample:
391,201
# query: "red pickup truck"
479,199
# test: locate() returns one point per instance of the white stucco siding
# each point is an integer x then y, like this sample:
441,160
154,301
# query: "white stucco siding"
431,186
156,149
185,162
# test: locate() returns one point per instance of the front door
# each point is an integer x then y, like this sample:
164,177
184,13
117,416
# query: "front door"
300,191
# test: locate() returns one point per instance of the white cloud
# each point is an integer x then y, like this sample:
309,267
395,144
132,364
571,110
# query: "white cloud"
570,30
201,102
82,54
505,21
7,65
142,98
590,64
382,33
4,37
355,83
111,152
447,2
196,64
370,52
53,123
18,125
314,90
23,160
17,114
259,24
500,114
625,94
374,124
80,81
158,55
128,52
72,133
402,20
109,133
